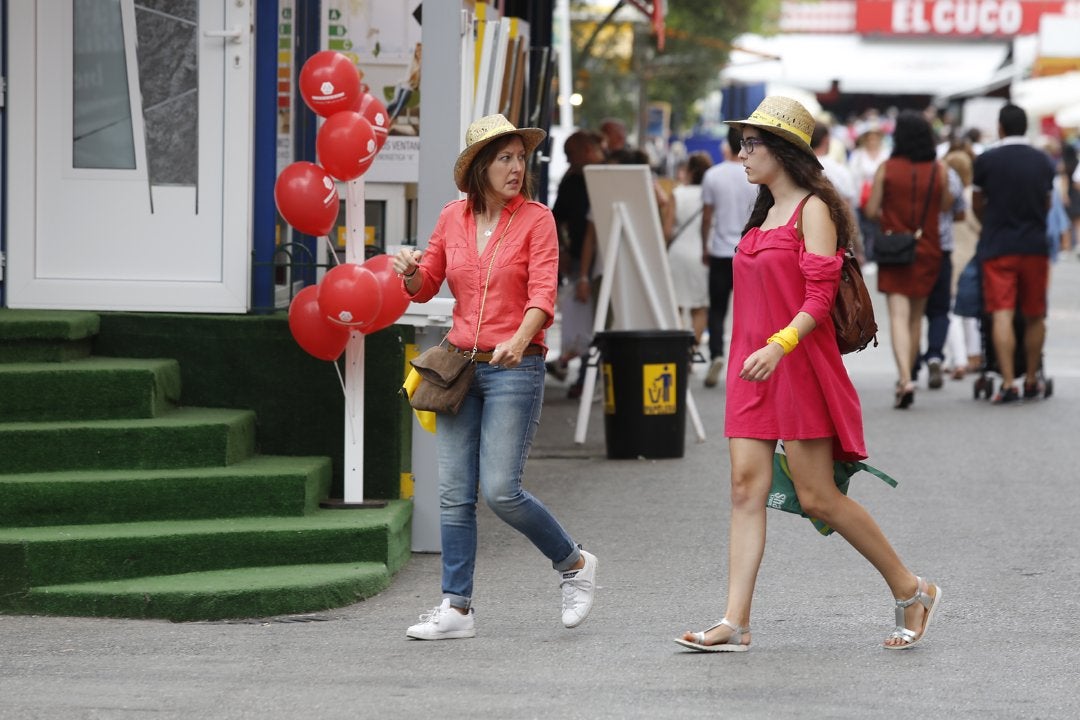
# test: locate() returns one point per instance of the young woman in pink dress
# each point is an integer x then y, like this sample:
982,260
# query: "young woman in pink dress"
786,380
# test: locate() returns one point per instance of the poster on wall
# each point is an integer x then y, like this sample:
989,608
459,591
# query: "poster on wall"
285,85
382,37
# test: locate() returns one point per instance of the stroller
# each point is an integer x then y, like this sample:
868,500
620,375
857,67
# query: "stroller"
984,384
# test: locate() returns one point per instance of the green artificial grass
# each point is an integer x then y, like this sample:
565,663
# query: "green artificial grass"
186,437
260,486
46,335
252,361
219,594
117,501
88,389
37,557
48,324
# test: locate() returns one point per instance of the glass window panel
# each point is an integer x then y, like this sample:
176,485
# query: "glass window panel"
169,77
102,109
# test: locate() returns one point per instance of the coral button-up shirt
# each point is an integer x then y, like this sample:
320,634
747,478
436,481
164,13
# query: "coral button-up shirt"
524,271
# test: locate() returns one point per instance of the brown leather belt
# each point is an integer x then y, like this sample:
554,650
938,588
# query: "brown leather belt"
484,356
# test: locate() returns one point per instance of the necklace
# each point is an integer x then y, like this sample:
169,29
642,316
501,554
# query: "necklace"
490,230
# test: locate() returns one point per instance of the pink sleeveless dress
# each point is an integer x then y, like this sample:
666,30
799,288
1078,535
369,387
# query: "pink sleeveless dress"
810,395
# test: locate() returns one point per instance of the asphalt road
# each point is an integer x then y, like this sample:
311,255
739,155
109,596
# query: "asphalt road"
986,507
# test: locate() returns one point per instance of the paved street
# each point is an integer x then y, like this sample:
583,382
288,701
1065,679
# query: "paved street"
987,506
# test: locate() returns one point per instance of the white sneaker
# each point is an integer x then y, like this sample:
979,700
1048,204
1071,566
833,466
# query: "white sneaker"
713,376
443,623
578,587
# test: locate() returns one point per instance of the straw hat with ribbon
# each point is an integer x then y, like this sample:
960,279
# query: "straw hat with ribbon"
784,117
483,131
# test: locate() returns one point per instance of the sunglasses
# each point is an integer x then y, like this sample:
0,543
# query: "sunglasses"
748,144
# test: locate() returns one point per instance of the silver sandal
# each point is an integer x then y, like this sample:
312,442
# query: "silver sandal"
734,643
910,637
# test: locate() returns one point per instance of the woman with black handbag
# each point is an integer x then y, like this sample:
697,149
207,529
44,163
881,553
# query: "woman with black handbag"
910,188
498,251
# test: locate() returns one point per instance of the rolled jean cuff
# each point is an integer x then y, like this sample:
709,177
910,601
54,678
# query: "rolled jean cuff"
456,601
568,562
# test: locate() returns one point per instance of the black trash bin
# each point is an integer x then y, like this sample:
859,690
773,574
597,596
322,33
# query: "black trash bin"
644,374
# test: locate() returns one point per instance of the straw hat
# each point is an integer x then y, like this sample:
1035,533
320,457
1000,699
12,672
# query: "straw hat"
784,117
483,131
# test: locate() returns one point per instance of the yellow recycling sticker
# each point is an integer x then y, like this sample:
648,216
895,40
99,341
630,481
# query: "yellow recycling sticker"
658,386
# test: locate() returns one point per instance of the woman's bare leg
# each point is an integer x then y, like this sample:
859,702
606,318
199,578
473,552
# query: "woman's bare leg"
811,463
751,478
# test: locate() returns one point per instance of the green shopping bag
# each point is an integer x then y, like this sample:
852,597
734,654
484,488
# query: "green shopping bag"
782,493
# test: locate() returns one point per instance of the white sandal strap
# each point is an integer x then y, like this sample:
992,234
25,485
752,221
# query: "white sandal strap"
921,595
737,633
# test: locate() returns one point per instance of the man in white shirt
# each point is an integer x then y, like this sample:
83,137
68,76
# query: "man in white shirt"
727,199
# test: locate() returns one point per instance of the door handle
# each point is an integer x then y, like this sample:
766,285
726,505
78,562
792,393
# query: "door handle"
233,35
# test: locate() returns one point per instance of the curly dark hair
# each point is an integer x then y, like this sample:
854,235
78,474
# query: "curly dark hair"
913,138
805,172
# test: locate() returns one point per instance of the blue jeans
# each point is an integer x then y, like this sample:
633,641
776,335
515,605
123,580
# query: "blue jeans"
937,311
485,445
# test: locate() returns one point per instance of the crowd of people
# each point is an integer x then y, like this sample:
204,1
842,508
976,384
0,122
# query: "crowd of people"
880,164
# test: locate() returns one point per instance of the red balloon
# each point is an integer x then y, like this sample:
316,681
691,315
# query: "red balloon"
311,330
375,113
349,295
307,198
329,83
394,299
346,145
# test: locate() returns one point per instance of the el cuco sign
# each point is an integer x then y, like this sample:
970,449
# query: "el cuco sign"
978,18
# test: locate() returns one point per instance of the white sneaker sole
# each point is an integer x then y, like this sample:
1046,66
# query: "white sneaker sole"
452,635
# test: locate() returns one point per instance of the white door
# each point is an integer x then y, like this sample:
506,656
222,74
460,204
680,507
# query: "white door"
130,164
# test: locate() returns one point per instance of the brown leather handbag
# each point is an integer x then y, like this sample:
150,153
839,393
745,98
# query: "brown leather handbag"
852,310
445,377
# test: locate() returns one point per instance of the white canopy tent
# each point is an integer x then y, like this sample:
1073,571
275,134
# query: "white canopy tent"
1057,95
864,65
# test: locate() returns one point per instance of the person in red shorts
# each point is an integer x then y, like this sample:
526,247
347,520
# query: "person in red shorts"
1012,186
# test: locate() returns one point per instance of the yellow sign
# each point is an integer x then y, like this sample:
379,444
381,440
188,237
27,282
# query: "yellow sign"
609,391
658,389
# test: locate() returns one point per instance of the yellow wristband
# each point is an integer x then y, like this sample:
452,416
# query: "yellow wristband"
787,338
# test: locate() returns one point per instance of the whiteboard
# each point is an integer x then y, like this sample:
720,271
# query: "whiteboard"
641,265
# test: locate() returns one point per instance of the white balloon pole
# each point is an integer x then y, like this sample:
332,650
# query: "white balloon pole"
354,363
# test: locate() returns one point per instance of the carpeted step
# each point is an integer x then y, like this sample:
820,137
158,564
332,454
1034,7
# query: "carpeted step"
185,437
259,486
46,335
215,595
88,389
35,557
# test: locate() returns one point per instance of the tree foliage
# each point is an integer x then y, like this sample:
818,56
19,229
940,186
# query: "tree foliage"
623,56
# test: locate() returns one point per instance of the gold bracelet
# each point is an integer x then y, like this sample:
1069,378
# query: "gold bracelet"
787,338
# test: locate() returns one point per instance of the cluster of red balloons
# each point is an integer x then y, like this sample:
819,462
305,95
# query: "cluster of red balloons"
356,126
365,297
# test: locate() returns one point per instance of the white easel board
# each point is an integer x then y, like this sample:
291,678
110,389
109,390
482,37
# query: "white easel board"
636,285
641,263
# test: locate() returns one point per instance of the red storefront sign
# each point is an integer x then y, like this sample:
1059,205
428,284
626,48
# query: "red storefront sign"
952,18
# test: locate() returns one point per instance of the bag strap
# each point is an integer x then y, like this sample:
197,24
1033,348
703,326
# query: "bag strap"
686,223
487,280
798,215
929,194
857,466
